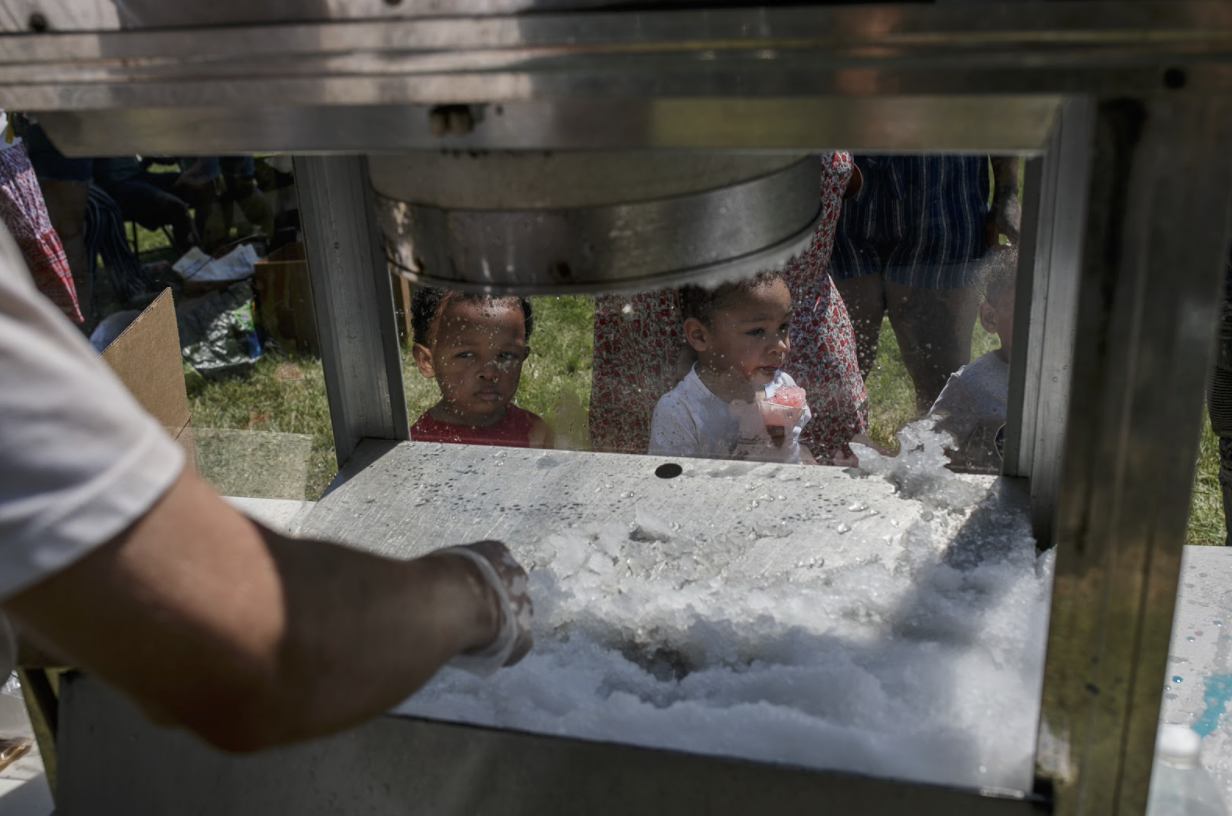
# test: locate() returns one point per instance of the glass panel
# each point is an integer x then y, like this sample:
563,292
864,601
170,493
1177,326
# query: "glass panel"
657,605
222,235
650,591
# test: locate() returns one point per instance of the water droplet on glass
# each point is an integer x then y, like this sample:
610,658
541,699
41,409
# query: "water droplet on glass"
1176,678
842,528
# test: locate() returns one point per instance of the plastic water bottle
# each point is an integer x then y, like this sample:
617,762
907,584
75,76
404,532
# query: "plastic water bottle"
1180,786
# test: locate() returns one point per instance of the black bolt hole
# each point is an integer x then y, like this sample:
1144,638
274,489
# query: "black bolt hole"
38,22
669,471
1175,78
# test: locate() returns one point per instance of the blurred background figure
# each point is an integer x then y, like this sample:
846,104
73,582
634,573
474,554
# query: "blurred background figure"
909,246
65,184
22,210
157,199
236,187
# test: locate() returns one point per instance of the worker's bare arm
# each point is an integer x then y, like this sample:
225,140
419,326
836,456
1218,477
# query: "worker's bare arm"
247,637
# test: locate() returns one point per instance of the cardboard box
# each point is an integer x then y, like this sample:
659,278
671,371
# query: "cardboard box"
284,299
146,357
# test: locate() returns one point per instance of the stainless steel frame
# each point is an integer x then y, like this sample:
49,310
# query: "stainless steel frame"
1148,298
376,770
1054,220
353,299
1143,85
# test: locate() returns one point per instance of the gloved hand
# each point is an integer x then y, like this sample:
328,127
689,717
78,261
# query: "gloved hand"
509,581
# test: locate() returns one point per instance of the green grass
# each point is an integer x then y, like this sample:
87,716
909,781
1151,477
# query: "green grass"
281,393
1206,524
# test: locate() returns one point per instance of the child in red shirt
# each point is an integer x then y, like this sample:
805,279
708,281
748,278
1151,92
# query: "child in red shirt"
474,347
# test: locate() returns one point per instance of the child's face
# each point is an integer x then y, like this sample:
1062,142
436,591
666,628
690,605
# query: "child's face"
476,356
749,337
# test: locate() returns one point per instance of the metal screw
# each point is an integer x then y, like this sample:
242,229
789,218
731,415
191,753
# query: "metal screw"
1175,78
451,119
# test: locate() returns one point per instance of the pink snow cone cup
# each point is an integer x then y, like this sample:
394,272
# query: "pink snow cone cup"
783,408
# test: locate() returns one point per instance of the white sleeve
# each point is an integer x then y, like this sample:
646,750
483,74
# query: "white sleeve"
672,429
79,459
954,399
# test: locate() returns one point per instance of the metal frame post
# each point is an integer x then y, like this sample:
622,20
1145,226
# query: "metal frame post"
1055,197
354,302
1147,302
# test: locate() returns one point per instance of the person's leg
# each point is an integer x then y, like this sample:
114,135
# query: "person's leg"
1219,406
865,299
933,327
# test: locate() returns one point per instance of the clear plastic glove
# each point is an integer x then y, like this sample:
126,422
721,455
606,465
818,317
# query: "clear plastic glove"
509,581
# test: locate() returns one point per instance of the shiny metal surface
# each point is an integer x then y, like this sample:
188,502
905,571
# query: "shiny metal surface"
680,227
1147,300
108,15
396,765
662,69
389,488
353,300
1049,259
794,124
399,765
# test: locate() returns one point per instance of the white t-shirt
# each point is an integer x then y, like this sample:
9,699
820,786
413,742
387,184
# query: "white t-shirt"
79,459
972,408
690,420
979,389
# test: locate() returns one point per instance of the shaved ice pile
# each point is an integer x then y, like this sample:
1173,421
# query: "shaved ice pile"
917,655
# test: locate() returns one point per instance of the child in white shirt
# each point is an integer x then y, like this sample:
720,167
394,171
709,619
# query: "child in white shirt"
972,406
739,332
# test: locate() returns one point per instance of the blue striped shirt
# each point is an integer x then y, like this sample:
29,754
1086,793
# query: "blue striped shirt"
918,220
